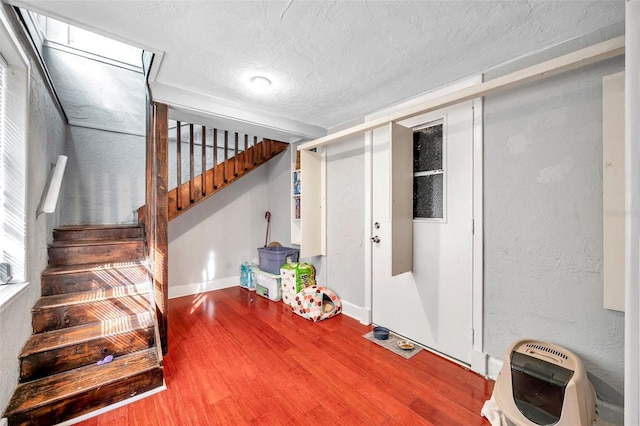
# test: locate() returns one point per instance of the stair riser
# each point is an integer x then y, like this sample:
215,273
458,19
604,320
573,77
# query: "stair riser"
85,402
55,361
97,234
48,319
100,279
103,253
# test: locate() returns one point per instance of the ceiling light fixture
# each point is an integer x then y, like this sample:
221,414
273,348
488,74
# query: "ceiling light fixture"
260,84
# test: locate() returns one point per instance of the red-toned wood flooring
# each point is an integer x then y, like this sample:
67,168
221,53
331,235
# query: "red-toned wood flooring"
234,361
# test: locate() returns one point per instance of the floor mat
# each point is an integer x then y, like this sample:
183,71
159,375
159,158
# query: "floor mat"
392,344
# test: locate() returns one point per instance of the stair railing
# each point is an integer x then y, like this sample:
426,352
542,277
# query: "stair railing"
191,185
222,158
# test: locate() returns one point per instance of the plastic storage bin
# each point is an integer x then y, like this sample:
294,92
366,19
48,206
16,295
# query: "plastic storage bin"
268,285
272,258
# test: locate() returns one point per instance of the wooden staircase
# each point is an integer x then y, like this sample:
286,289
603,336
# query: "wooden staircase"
96,301
198,188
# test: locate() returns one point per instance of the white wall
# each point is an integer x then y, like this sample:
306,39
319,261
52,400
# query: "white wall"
632,181
97,94
46,135
105,177
208,243
279,197
105,105
341,270
543,221
344,263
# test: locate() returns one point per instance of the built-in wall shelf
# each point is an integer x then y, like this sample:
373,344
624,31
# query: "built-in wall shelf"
308,202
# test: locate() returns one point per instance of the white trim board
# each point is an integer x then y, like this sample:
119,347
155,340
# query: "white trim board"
362,314
632,221
202,287
113,406
77,123
588,55
494,365
239,117
478,230
368,225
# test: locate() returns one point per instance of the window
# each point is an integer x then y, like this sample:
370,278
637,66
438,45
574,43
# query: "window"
14,76
3,67
428,172
59,35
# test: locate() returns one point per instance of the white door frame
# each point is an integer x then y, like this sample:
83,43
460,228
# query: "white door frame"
632,233
479,358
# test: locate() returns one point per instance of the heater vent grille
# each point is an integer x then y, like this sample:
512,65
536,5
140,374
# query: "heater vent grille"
547,350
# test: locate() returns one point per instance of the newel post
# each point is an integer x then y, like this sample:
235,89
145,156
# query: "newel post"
157,217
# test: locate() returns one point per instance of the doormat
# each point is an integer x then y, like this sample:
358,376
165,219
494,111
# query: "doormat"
392,344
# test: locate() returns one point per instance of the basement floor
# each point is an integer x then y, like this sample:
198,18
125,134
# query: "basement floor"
234,361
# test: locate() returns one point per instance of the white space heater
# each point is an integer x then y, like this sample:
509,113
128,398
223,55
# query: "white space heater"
544,384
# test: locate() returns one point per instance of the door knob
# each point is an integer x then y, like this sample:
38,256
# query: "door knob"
375,239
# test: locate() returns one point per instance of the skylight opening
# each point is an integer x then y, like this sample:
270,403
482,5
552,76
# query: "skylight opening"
61,34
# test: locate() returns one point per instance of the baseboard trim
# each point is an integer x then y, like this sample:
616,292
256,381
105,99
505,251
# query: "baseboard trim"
113,406
479,362
610,413
202,287
494,366
356,312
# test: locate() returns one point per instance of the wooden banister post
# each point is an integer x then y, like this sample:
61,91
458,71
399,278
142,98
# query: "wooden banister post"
179,164
191,165
203,168
157,212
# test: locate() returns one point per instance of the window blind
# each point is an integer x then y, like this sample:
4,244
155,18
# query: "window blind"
12,169
3,66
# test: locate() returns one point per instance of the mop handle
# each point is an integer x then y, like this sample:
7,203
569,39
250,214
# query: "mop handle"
267,216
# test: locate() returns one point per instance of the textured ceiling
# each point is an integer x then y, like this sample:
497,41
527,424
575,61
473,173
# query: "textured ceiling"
329,61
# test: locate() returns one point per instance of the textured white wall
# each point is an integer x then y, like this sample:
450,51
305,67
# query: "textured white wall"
208,243
341,270
46,136
632,178
105,105
543,220
97,94
279,198
104,178
344,263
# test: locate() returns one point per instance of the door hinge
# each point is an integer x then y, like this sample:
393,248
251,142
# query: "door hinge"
473,226
473,337
473,115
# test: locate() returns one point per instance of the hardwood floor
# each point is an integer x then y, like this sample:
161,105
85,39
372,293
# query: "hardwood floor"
234,361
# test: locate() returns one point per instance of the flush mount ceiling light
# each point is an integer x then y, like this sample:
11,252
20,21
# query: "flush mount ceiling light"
260,84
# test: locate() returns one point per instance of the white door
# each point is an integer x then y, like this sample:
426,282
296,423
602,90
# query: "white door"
432,303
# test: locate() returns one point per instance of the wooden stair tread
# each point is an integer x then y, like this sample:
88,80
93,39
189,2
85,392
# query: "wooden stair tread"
93,296
84,243
96,300
97,227
40,392
91,267
69,336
